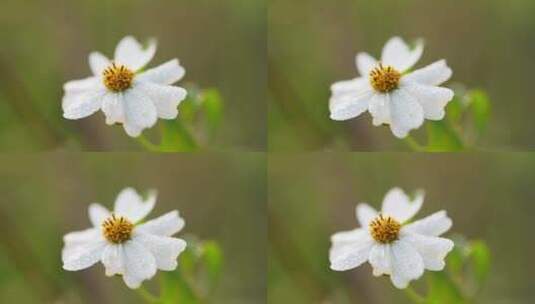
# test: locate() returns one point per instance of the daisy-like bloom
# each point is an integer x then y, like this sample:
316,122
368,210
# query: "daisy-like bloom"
126,94
391,244
390,92
124,245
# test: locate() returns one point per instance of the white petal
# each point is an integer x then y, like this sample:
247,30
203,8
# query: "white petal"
397,54
349,98
353,86
433,74
380,259
165,98
165,225
83,85
113,260
433,225
131,53
365,214
432,99
348,255
351,236
98,214
76,238
365,64
405,112
82,255
140,112
349,249
113,108
82,104
406,264
433,250
398,205
380,109
98,63
139,264
131,205
167,73
132,130
165,249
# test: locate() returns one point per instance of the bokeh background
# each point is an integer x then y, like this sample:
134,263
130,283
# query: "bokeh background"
222,44
313,43
488,196
221,197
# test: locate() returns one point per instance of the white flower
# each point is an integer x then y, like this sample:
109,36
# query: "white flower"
122,244
390,244
124,92
390,92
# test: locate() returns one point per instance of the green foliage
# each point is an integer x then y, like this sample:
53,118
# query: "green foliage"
480,109
467,116
441,137
443,290
176,137
199,119
468,266
480,255
196,277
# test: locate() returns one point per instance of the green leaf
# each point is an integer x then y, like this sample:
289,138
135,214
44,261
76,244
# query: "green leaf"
455,261
441,137
480,255
480,106
213,109
443,290
174,289
197,275
213,261
176,137
200,107
189,108
454,110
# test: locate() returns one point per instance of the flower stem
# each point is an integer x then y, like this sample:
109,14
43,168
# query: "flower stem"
147,295
413,144
414,296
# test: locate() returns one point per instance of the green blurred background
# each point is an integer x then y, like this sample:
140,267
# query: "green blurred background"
221,197
221,44
488,196
313,43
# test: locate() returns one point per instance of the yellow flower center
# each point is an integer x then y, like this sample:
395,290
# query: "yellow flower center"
118,78
117,229
384,78
384,229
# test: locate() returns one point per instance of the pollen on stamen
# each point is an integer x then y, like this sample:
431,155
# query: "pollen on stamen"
117,78
117,229
384,78
385,229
